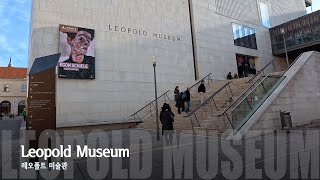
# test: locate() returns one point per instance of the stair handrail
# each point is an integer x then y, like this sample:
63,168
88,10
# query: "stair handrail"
136,113
291,64
241,96
205,102
209,98
199,81
246,96
166,95
260,71
254,89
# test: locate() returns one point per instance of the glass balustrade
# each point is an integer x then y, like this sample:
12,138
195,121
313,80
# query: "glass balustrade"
246,108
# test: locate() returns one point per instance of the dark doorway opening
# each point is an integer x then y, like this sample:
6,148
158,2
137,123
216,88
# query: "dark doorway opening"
246,65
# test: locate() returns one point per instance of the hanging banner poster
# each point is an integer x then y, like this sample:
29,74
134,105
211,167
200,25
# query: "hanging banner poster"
77,60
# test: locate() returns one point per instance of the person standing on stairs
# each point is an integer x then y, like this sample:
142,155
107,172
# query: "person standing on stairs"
229,76
187,100
201,91
166,119
235,76
172,114
176,95
180,103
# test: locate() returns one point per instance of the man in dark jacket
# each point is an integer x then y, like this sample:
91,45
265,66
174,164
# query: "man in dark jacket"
202,90
176,95
187,100
180,103
229,76
166,118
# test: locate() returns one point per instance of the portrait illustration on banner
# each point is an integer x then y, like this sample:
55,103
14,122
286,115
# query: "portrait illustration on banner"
77,60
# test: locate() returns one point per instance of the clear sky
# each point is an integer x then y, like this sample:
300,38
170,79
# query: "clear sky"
315,6
14,31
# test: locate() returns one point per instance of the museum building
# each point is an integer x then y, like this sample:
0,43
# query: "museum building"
188,38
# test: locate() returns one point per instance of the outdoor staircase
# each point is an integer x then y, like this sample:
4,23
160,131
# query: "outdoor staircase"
207,116
226,109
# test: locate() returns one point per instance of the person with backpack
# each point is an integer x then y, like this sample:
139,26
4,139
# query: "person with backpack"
167,119
187,100
201,91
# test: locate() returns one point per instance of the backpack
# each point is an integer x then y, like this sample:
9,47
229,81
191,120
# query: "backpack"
184,95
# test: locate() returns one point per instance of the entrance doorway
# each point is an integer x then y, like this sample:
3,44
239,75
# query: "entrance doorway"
5,107
246,65
21,106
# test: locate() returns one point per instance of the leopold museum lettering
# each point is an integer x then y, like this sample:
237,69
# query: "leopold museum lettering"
145,33
84,151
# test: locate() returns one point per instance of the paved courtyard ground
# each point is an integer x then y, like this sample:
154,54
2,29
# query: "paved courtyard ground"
281,155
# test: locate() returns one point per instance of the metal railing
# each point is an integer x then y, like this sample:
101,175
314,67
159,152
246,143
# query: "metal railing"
261,71
148,109
291,64
207,101
239,100
260,89
199,81
207,80
253,100
244,107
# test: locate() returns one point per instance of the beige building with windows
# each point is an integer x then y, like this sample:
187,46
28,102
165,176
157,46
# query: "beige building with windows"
13,91
189,39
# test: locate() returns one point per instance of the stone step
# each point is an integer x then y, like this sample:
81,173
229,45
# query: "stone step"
208,132
207,115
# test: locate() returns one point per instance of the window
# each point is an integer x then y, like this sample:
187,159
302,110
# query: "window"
244,36
6,88
23,88
264,15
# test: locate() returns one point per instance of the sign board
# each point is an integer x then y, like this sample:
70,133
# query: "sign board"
41,105
41,101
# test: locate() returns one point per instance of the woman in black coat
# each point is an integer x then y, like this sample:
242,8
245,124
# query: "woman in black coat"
166,118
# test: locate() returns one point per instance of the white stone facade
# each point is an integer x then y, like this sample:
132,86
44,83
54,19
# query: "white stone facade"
124,72
213,30
301,96
284,11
